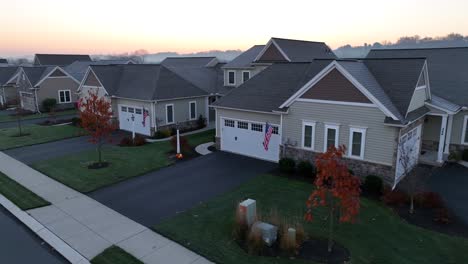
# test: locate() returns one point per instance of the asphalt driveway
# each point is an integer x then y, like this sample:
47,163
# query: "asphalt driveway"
19,245
451,182
162,194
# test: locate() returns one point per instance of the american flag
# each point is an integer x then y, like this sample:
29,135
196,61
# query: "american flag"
268,132
145,115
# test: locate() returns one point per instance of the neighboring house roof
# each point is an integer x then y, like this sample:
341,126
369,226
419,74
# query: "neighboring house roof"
272,87
448,69
59,59
6,73
441,103
78,68
3,61
200,71
298,50
245,59
144,82
37,73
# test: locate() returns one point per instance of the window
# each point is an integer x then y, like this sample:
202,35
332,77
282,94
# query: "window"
193,110
138,111
242,125
331,136
124,109
357,139
257,127
131,110
64,96
232,77
465,131
169,114
275,130
245,76
308,135
229,123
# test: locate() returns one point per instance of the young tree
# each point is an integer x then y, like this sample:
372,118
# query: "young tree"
96,118
336,188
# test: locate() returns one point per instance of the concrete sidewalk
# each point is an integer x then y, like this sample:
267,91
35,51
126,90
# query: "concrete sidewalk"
90,227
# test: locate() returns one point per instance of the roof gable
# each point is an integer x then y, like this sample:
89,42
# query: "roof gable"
57,73
272,53
335,87
92,80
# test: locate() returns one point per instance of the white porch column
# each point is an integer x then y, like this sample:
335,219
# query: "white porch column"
443,128
449,134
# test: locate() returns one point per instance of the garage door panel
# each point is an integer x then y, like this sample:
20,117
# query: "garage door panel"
409,146
127,113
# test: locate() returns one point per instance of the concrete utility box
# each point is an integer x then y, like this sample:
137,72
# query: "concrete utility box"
269,232
248,209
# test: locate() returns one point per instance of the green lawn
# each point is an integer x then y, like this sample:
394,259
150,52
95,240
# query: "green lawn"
379,236
16,193
115,255
36,135
9,118
125,162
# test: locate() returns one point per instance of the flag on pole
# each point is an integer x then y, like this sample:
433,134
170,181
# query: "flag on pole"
268,132
145,115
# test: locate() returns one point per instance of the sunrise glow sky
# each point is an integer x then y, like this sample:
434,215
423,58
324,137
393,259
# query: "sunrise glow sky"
106,27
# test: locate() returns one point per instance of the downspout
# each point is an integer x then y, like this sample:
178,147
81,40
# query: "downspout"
35,99
153,116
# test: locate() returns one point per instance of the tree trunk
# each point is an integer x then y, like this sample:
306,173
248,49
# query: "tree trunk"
331,224
99,152
411,210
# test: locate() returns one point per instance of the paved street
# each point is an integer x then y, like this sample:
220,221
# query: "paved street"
161,194
18,245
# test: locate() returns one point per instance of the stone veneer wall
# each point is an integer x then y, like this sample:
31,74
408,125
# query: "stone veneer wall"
360,168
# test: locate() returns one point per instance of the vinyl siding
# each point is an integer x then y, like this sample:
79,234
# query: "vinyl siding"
181,110
49,89
380,144
253,71
419,97
457,129
433,125
244,115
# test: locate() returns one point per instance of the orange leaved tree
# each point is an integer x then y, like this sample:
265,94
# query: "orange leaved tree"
336,188
96,119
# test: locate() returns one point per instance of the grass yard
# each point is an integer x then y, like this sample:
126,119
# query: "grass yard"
9,118
115,255
36,135
125,163
379,236
19,195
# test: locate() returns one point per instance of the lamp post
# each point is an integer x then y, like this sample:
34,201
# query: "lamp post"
178,154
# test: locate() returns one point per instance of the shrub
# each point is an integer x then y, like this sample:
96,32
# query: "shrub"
373,185
429,200
49,104
255,242
287,165
129,142
139,140
441,216
305,169
465,155
126,141
455,156
76,121
395,198
184,145
201,122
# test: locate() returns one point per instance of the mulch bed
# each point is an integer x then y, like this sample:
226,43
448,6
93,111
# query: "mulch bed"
293,176
56,122
97,165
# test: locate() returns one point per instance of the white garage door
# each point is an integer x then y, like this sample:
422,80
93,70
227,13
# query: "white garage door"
129,115
408,152
247,138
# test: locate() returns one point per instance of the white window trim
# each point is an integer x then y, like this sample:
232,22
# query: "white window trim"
325,135
243,76
190,110
313,125
64,96
363,141
465,120
173,116
229,83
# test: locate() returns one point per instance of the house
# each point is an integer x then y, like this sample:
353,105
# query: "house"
375,107
259,57
147,97
3,62
37,83
446,124
204,72
8,94
58,59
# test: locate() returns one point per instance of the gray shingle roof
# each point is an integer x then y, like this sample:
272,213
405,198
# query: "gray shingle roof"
448,69
245,58
444,104
59,59
36,73
195,70
272,87
144,82
3,61
6,73
304,51
78,68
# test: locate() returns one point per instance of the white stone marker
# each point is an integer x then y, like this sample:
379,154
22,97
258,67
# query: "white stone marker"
269,232
248,209
292,235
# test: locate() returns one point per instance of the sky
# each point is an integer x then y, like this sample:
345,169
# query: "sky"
114,27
